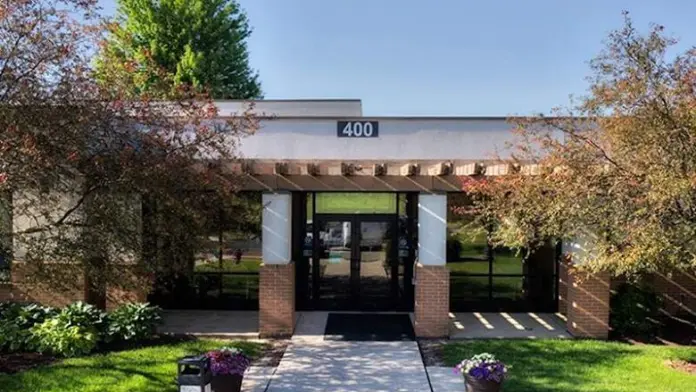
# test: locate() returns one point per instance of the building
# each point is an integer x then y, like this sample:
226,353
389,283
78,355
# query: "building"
356,215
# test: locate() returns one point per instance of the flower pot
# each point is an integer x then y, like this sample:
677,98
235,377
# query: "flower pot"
475,385
226,383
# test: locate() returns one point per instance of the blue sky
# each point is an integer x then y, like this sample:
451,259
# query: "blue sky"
443,57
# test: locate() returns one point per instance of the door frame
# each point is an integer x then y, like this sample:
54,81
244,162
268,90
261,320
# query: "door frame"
356,302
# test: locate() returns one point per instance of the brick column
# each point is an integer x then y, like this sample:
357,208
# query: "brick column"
432,301
563,267
277,274
277,300
588,304
431,305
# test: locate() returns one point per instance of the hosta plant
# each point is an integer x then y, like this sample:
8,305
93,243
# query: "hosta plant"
134,322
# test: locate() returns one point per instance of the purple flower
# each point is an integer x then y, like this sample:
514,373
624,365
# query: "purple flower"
483,367
226,361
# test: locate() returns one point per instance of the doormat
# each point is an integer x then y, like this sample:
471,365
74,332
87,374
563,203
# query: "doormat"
364,327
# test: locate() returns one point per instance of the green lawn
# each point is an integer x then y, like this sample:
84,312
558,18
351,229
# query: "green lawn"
582,366
151,369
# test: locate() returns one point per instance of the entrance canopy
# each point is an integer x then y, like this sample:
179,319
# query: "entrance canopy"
367,175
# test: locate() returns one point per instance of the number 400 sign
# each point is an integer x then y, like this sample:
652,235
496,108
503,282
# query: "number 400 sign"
357,129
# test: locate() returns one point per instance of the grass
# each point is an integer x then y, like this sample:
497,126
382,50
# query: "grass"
582,365
151,369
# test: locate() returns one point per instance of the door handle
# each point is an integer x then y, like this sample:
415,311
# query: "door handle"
414,279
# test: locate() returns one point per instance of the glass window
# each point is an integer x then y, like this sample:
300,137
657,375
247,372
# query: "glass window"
5,234
467,240
507,261
231,237
355,203
483,277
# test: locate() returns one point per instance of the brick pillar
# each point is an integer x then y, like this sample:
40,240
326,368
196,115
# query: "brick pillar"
432,301
277,300
563,267
588,304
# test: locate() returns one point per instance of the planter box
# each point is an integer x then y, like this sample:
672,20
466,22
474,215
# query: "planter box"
227,383
474,385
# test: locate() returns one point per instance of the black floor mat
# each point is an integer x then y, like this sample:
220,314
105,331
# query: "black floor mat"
369,327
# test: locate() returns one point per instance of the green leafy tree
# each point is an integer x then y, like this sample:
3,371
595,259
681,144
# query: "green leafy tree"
616,171
92,186
198,43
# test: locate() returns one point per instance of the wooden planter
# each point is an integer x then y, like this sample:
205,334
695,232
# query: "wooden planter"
474,385
226,383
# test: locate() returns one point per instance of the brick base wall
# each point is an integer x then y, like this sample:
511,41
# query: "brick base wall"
134,286
64,290
678,292
588,304
276,300
432,301
676,289
60,292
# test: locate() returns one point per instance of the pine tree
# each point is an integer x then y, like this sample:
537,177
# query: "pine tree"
179,43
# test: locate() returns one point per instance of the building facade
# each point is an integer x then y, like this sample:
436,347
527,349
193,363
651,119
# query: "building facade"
357,215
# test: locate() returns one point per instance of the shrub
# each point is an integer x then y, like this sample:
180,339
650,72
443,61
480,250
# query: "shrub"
80,314
634,310
75,330
134,322
57,336
16,321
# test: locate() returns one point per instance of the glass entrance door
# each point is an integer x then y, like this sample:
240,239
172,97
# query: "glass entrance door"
333,275
358,267
378,274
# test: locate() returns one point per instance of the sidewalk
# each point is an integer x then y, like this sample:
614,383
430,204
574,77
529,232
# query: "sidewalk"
312,364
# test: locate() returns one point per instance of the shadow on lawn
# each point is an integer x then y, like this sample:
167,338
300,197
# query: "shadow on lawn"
543,367
96,375
130,368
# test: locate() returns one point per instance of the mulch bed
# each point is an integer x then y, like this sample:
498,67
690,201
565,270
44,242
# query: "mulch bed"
431,351
272,353
684,366
18,362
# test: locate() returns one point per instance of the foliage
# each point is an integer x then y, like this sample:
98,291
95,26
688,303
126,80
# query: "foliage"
15,322
57,336
483,366
75,330
143,369
86,162
228,361
134,322
86,316
634,310
199,43
576,365
616,170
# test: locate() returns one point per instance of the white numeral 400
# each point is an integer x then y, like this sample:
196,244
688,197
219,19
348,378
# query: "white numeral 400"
358,129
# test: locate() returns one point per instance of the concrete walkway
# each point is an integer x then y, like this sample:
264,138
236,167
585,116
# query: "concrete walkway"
312,364
508,326
227,324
